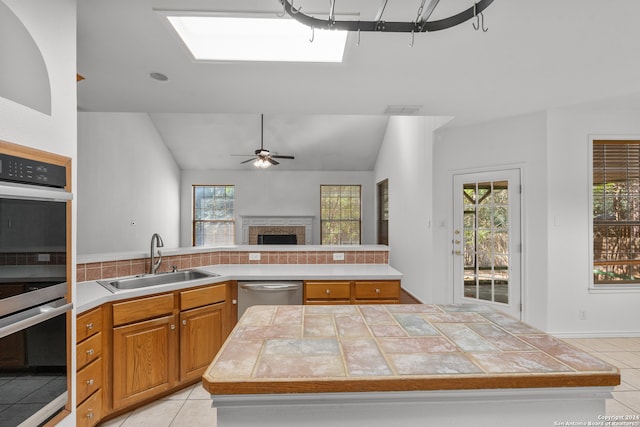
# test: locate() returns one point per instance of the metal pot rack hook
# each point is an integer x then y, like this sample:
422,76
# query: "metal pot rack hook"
284,10
358,40
294,10
412,39
313,34
479,20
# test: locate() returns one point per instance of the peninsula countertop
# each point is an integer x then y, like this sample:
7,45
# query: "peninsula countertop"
325,349
90,294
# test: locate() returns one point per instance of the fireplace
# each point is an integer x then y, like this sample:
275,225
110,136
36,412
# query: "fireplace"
277,239
294,226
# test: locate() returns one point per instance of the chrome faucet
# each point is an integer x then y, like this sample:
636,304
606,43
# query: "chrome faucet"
156,242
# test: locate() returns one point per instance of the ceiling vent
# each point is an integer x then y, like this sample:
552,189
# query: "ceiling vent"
403,110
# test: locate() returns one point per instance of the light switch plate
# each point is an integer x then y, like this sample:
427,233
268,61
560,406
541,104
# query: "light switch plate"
254,256
338,256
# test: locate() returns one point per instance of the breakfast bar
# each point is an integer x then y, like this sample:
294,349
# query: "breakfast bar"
384,365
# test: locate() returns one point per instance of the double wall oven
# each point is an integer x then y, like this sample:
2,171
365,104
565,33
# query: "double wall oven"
35,308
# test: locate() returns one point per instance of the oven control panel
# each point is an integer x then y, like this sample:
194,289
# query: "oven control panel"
27,171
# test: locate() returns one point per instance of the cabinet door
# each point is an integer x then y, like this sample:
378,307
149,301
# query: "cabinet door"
144,360
201,336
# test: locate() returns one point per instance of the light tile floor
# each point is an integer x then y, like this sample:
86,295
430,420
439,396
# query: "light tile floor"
192,406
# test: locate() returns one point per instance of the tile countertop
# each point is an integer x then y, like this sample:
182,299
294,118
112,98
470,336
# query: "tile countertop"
318,349
92,294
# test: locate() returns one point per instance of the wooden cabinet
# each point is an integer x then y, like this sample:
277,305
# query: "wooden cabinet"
327,292
144,343
352,292
200,339
89,412
90,373
203,328
376,292
164,341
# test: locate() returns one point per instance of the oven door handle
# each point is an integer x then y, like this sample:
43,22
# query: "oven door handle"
44,313
270,287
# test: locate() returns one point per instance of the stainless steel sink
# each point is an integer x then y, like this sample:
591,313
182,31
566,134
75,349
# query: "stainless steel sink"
146,280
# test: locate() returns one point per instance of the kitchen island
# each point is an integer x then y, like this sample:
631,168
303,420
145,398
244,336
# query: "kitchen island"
404,365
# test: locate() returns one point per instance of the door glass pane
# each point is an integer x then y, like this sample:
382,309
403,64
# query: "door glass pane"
486,241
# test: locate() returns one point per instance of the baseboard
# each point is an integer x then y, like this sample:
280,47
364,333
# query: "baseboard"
633,334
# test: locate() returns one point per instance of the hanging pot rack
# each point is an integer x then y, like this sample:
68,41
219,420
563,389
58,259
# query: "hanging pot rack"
420,25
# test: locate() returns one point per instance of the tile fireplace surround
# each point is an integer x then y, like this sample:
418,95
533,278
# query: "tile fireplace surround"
97,267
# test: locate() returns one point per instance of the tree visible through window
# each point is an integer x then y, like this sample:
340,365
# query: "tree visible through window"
213,215
340,207
616,212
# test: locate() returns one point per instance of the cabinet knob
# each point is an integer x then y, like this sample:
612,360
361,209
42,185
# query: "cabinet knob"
89,325
173,327
377,291
90,382
90,414
328,291
184,322
90,352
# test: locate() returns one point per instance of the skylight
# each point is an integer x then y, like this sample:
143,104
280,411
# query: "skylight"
225,38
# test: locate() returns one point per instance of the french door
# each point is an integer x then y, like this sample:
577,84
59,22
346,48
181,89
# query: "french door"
487,240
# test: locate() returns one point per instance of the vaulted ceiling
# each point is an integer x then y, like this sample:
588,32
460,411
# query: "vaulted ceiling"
534,56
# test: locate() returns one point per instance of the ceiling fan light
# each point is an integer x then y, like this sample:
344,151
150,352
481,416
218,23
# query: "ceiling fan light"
261,163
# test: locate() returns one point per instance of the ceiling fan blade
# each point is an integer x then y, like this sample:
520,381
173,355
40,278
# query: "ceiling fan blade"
273,162
242,155
283,157
252,159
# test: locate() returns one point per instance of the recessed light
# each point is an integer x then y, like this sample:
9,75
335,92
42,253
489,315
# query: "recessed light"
159,76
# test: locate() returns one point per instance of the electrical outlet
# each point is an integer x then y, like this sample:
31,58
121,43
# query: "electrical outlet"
338,256
254,256
44,257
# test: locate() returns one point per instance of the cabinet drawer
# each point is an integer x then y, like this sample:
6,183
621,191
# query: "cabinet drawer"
202,296
141,309
327,290
89,350
88,324
88,380
328,302
377,290
90,411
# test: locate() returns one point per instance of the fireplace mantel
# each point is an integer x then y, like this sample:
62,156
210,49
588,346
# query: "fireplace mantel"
277,221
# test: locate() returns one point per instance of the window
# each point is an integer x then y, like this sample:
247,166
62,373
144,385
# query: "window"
383,212
340,214
616,212
213,215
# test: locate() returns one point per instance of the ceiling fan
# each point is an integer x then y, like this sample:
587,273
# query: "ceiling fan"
263,157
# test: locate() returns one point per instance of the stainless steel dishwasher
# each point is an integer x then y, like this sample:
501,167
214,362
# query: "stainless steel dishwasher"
268,292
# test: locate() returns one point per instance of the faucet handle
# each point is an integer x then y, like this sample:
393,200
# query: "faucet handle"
174,268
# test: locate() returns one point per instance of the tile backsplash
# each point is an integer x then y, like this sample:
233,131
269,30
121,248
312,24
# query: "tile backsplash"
128,267
33,258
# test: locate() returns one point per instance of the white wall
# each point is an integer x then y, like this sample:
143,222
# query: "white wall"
128,176
405,159
274,192
52,24
519,142
570,261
